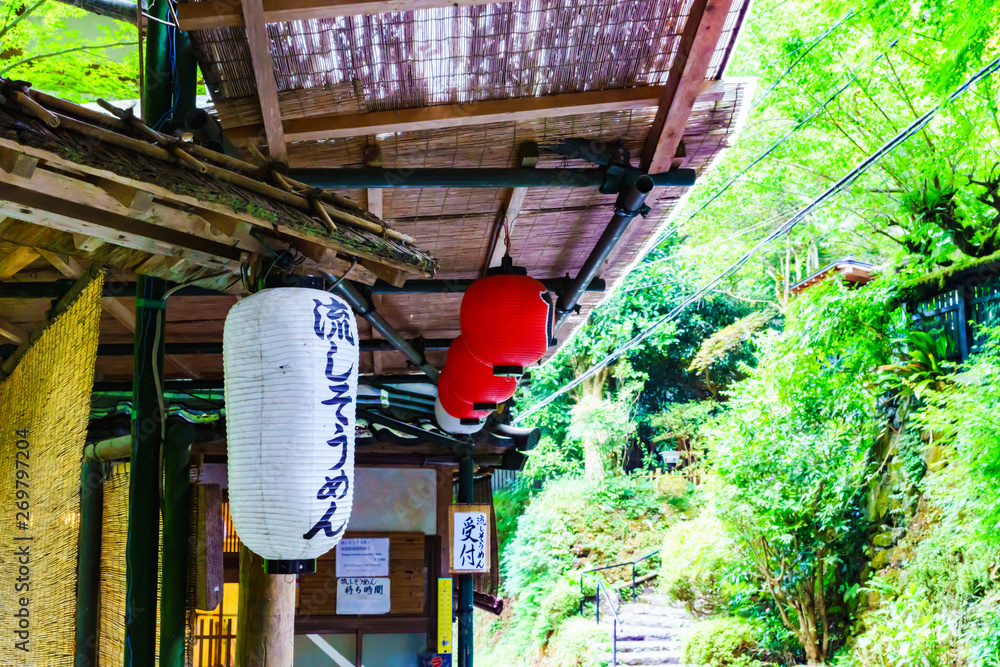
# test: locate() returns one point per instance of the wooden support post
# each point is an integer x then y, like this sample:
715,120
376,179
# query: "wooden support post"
373,158
143,548
176,530
265,624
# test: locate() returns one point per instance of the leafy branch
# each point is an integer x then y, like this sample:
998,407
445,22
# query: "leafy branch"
41,56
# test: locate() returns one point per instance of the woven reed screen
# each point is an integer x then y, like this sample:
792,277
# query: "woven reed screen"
44,409
114,533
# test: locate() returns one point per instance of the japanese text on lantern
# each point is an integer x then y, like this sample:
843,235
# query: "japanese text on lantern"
470,539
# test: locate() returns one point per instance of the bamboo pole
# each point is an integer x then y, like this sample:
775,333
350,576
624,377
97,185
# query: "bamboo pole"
230,173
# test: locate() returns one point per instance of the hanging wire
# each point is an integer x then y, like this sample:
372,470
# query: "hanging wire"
809,48
845,182
773,146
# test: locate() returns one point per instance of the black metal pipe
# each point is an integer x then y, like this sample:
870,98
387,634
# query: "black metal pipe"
630,204
374,177
56,288
366,309
526,438
459,285
466,494
187,386
125,349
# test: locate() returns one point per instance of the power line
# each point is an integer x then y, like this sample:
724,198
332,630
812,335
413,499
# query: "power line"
788,71
835,189
774,145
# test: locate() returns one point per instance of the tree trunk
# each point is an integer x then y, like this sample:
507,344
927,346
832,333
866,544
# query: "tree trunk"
265,624
593,459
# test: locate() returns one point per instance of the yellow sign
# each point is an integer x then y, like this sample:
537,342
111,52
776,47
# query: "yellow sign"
444,615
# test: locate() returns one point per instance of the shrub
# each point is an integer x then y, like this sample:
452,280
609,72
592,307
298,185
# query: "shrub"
576,643
694,557
722,642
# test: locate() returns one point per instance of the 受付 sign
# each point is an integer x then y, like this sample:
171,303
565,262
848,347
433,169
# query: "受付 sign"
470,538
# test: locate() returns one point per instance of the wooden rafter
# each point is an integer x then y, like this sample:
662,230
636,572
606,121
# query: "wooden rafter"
263,69
225,14
685,82
12,332
16,260
454,115
70,268
511,208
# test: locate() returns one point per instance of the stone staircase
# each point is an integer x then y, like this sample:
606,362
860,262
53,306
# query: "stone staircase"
651,632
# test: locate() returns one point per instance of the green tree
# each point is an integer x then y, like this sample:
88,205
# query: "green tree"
67,51
794,448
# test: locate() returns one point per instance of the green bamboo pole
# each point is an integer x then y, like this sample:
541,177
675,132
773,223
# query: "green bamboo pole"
465,495
88,571
176,531
143,546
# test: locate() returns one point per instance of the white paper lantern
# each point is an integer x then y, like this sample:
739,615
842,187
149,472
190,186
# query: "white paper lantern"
454,425
291,365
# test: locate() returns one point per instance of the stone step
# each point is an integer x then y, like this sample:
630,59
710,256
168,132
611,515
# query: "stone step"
640,632
645,658
652,610
629,646
663,622
658,599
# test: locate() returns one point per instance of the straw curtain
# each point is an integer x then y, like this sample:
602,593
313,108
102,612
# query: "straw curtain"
44,410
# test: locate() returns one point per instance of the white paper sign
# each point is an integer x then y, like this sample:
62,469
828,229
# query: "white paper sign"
363,595
469,542
363,557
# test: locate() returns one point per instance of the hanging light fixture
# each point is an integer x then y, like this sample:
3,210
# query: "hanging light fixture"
506,319
474,381
291,379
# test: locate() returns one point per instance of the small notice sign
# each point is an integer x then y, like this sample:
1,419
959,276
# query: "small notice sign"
363,595
363,557
470,538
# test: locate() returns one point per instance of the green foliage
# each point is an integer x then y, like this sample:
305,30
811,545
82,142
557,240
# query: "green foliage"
695,557
575,643
924,369
966,415
569,527
722,642
63,50
793,451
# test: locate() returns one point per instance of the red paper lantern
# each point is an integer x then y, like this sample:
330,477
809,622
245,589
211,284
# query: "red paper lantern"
506,322
453,403
473,380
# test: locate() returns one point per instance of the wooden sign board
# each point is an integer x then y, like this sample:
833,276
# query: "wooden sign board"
407,577
469,528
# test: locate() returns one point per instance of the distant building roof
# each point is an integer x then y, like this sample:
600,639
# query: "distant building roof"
849,269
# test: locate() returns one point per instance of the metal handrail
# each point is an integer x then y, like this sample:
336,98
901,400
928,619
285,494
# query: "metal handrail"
611,567
602,587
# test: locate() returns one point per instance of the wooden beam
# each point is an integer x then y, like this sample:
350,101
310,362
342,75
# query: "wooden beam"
263,70
512,207
17,259
685,81
87,243
12,332
373,158
225,14
332,126
17,163
265,625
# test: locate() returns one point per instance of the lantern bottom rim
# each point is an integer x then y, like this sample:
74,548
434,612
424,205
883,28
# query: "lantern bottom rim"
291,566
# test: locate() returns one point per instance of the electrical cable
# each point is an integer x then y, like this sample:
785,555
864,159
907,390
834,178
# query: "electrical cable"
835,189
810,47
773,146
